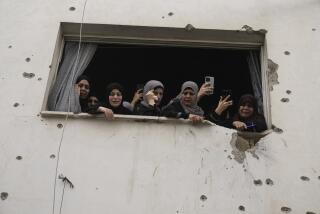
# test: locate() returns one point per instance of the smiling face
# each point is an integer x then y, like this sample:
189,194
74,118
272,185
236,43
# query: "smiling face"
115,98
188,97
159,93
246,110
84,87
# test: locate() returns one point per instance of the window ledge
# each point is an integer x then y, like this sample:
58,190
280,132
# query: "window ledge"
118,117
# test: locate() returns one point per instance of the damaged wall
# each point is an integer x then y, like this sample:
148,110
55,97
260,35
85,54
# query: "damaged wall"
116,167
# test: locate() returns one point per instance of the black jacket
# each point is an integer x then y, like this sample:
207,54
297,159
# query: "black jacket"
174,110
147,110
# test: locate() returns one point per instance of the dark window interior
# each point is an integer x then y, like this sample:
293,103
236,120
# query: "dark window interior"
136,64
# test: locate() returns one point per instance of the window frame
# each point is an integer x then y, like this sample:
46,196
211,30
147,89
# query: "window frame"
160,36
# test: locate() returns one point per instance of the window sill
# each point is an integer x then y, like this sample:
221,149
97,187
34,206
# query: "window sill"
118,117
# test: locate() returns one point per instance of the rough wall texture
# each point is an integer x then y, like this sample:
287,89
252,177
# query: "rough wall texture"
118,168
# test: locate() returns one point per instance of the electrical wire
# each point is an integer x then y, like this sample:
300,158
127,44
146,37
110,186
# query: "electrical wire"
67,116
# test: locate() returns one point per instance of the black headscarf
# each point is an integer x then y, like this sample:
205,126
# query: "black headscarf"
84,102
120,109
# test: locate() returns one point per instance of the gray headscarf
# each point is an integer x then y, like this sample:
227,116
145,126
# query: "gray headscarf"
152,84
194,108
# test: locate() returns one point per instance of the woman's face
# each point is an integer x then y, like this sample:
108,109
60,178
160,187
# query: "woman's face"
159,93
84,88
115,98
188,97
246,110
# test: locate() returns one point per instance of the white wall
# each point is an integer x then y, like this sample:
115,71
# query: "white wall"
116,167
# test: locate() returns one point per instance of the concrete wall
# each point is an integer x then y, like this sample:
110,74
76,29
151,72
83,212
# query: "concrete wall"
137,167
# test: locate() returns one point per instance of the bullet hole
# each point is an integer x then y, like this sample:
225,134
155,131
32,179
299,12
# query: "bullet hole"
28,59
52,156
4,196
225,150
229,156
49,66
276,129
287,53
72,8
97,188
269,181
305,178
203,198
288,91
285,100
162,17
38,115
285,209
319,177
177,211
19,157
189,27
15,104
170,14
59,125
308,212
241,208
39,79
257,182
313,29
10,46
28,75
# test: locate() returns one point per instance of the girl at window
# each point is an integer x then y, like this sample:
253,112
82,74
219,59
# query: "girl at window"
152,96
113,105
247,118
185,104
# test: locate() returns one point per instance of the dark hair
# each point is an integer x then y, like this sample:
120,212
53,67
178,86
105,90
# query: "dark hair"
83,77
250,99
114,85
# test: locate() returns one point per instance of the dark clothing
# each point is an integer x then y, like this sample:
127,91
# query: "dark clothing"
175,110
141,109
83,104
254,124
219,120
119,110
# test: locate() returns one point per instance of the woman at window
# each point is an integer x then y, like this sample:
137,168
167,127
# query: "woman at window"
113,105
83,89
152,96
185,104
247,118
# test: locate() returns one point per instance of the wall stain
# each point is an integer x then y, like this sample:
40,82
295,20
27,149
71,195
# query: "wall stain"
28,75
272,74
240,146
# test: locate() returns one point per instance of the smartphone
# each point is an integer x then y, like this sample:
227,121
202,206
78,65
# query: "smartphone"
210,80
226,92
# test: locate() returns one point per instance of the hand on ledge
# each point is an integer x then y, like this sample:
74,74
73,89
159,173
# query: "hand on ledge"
195,118
239,125
108,113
